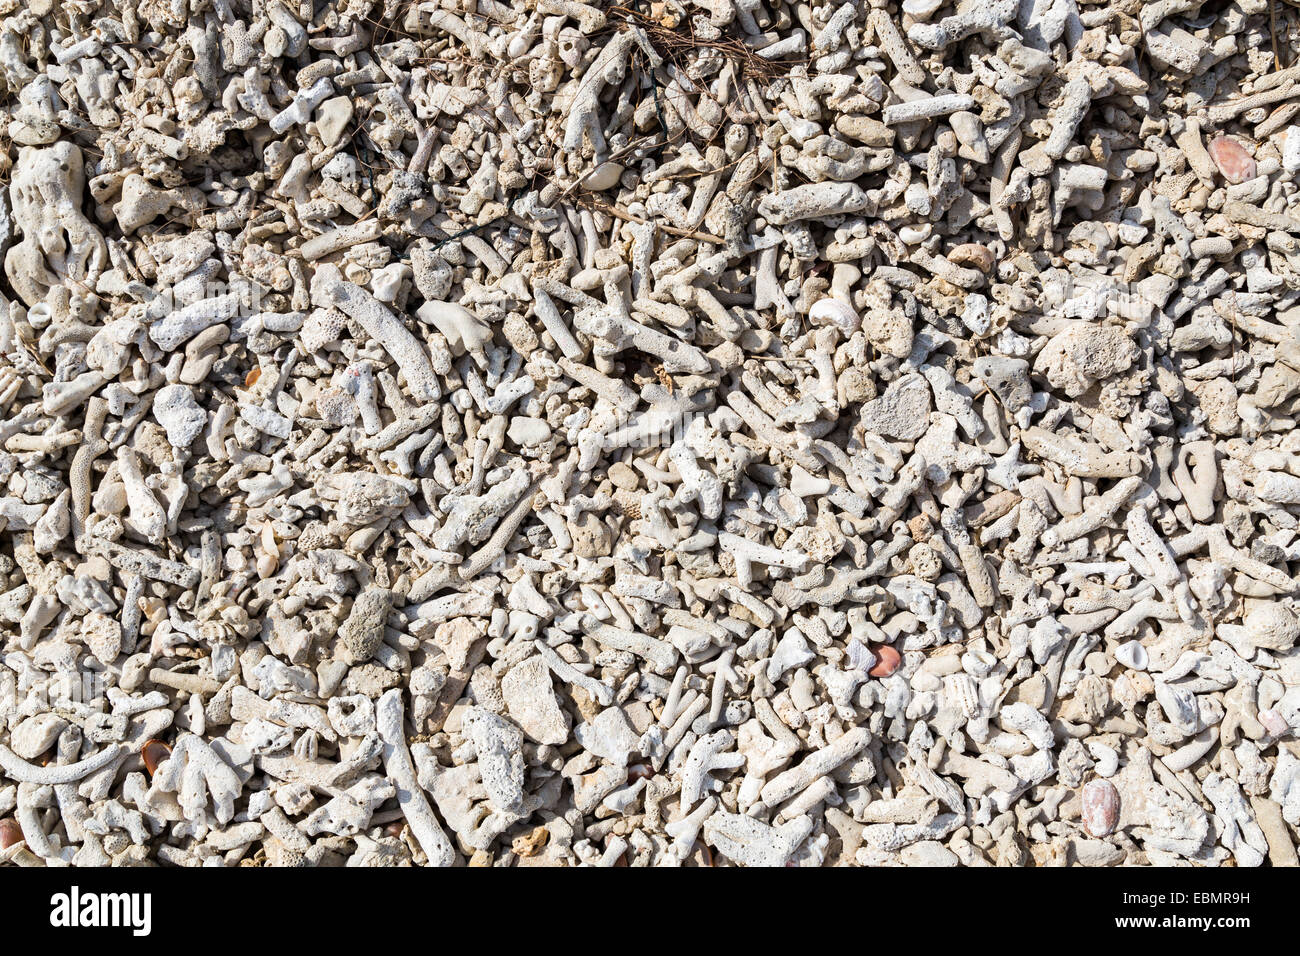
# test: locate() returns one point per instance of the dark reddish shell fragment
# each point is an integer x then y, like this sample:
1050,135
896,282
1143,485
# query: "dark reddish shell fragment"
1100,807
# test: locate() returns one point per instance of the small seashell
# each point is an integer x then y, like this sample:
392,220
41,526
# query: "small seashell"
251,378
153,753
10,833
1274,722
1100,807
605,176
1132,654
1233,161
266,566
972,255
269,544
887,661
835,312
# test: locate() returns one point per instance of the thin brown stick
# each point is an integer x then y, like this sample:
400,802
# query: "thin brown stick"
617,213
1272,32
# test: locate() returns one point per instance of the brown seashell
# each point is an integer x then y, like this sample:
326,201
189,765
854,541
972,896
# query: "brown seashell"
1100,807
153,753
639,771
1233,161
972,255
10,833
251,378
887,661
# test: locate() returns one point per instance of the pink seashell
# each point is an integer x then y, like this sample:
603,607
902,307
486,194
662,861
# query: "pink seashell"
10,833
887,661
1274,722
1100,807
1233,161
